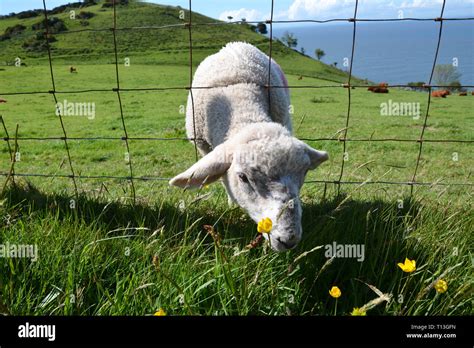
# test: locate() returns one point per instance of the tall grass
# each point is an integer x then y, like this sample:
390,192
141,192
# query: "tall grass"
116,259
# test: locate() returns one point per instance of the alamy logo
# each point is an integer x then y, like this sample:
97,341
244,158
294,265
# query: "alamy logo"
29,251
75,109
354,251
37,331
392,108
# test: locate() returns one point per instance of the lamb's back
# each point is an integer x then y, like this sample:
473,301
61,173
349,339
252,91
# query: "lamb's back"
241,66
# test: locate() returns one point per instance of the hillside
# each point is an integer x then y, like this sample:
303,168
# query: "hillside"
76,41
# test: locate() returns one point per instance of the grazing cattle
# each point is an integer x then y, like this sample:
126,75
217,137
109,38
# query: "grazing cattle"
72,69
247,142
463,94
2,100
300,77
440,94
381,88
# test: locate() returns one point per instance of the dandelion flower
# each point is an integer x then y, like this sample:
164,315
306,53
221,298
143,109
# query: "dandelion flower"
335,292
160,313
409,265
358,312
264,225
441,286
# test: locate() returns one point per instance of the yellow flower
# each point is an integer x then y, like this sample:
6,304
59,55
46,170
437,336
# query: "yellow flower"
358,312
335,292
264,225
441,286
409,265
160,313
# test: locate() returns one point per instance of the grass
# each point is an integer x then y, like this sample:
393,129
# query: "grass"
106,256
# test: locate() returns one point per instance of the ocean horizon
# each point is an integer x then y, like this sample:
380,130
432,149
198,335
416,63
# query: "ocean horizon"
393,52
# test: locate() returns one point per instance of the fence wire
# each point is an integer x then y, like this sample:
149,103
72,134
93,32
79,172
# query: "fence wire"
344,139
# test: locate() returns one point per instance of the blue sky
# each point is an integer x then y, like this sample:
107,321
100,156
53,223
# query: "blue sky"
293,9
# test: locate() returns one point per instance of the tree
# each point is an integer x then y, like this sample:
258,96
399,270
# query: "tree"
262,28
319,53
289,39
230,18
446,74
417,85
455,86
302,50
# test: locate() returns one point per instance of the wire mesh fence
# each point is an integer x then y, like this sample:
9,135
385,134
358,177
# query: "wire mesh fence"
343,138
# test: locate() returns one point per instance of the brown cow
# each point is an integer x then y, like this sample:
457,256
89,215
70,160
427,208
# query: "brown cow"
381,88
463,94
2,100
440,94
72,69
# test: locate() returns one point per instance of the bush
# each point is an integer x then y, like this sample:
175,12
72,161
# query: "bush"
63,8
110,3
12,32
455,86
85,15
55,25
34,45
29,14
416,86
262,28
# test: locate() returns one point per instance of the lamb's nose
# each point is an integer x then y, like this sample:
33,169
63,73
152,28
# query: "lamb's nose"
288,244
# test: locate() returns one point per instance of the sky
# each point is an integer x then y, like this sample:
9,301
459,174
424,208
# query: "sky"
256,10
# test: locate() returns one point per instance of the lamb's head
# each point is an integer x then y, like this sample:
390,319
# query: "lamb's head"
263,170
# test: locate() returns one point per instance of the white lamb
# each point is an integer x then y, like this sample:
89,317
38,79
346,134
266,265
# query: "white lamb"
246,142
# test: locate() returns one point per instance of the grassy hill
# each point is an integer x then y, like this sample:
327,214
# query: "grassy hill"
77,40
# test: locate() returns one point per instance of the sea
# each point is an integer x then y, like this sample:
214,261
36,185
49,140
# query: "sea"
393,52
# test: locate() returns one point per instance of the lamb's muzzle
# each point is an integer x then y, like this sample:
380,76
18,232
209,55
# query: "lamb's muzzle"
248,143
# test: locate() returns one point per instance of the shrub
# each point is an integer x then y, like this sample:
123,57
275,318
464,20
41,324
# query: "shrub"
63,8
12,32
85,15
55,25
29,14
262,28
34,45
110,3
455,86
416,86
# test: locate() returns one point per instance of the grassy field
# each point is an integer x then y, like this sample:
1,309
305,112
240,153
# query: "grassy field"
106,256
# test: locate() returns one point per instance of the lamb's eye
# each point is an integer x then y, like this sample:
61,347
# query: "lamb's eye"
243,178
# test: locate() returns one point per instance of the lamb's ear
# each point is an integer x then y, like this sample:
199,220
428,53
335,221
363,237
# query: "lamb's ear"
316,157
208,169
